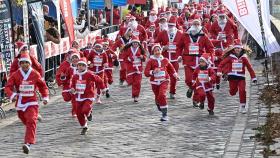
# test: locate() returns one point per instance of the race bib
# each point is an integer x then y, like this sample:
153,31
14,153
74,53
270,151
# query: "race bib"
97,61
222,36
136,33
136,62
172,47
237,66
26,89
80,86
194,49
203,76
160,76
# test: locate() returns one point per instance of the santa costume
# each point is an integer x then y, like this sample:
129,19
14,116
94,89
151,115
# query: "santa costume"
237,61
169,40
98,62
203,79
193,44
159,69
134,55
21,87
83,85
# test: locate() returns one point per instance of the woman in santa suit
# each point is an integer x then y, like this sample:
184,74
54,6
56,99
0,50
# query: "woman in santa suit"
83,84
98,62
236,60
134,54
23,48
64,75
21,88
159,69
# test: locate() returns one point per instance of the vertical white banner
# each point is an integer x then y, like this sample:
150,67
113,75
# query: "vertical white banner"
246,13
25,22
265,11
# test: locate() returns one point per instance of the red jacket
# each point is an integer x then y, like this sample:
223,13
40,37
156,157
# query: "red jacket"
120,43
191,51
64,75
35,65
111,55
236,66
140,32
166,70
229,33
24,86
117,17
86,52
164,39
133,60
98,60
204,78
84,85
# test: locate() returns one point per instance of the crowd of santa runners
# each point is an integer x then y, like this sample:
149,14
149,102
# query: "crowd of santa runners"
202,39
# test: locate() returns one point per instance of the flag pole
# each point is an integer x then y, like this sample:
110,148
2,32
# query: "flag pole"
263,40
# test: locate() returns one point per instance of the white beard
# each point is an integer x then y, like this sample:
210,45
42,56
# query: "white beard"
170,31
152,18
194,30
133,24
164,26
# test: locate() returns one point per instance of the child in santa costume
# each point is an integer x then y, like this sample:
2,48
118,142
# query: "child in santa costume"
21,88
98,62
134,55
237,61
203,79
64,76
83,84
23,48
112,57
159,69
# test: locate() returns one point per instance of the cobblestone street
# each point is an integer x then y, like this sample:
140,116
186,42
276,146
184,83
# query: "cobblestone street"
121,128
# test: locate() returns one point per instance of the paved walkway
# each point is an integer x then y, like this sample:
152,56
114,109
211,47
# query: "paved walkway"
121,128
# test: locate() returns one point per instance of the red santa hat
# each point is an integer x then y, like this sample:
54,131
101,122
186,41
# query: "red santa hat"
174,10
206,16
237,43
199,8
25,57
206,58
172,21
134,39
21,46
221,13
83,60
98,42
196,19
128,16
153,12
132,17
152,25
75,54
156,45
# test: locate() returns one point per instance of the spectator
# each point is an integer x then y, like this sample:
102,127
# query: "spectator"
52,34
116,15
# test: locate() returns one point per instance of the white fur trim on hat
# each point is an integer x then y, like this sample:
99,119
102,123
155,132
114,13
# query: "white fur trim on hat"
202,58
238,46
82,62
97,44
21,48
154,46
134,41
24,59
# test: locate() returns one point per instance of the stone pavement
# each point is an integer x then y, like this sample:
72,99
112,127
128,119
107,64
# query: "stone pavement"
121,128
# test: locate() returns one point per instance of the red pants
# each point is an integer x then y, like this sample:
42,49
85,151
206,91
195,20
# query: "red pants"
83,110
200,95
29,119
238,85
160,93
188,76
109,76
123,71
135,81
173,80
67,96
218,78
102,76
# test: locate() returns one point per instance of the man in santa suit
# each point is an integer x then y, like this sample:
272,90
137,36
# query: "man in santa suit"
21,87
152,19
23,48
159,69
120,43
224,30
83,84
169,41
134,55
98,61
191,46
112,57
138,30
64,75
151,36
179,20
198,12
124,26
163,25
